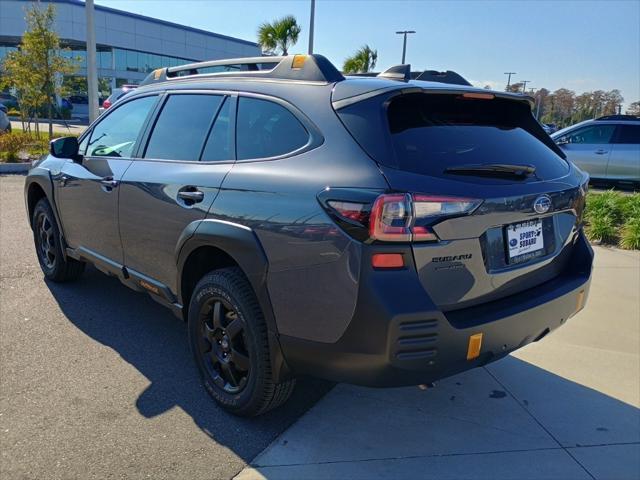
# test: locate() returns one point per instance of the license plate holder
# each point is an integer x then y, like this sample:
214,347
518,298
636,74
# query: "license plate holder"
525,240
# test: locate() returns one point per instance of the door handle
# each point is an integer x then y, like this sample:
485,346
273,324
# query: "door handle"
601,151
109,182
62,180
191,196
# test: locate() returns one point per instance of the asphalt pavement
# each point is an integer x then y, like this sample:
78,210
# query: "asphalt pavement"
97,381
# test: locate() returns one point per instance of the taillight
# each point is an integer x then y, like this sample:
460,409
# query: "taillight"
357,212
106,104
408,217
392,217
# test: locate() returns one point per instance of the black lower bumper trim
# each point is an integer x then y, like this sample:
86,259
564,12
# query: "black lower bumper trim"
398,337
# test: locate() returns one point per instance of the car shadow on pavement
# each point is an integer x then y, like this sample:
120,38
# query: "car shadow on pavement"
150,338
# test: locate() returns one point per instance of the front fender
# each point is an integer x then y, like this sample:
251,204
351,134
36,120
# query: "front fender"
41,177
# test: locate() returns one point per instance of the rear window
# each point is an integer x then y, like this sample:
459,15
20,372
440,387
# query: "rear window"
428,133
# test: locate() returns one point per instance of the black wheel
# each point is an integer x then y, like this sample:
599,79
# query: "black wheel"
46,237
228,337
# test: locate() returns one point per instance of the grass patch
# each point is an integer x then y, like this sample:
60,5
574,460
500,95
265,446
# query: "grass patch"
613,218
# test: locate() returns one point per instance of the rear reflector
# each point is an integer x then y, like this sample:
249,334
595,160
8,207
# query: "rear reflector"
579,302
475,344
387,260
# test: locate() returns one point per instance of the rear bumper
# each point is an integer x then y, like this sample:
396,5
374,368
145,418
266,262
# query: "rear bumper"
398,337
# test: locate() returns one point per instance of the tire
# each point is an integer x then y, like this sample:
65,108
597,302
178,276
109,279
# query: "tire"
46,237
228,338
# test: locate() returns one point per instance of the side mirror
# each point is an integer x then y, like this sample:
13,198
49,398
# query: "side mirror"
562,141
65,147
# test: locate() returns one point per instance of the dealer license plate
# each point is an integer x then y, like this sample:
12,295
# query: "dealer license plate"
524,240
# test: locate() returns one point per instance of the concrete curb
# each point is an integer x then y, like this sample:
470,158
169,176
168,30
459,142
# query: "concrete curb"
14,167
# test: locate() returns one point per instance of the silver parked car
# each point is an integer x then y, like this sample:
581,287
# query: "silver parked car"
607,148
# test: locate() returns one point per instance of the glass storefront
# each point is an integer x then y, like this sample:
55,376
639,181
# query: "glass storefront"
116,67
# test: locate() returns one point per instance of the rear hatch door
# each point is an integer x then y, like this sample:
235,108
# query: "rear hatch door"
483,147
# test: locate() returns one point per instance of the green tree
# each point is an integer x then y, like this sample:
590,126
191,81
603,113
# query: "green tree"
633,109
37,68
363,61
281,34
515,87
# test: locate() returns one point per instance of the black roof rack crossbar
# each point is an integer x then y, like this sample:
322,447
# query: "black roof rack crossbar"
400,72
443,77
312,68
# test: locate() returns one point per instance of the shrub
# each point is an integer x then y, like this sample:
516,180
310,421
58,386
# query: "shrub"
602,228
612,217
630,239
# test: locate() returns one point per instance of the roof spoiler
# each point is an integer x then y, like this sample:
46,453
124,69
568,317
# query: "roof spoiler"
397,72
402,73
443,77
310,68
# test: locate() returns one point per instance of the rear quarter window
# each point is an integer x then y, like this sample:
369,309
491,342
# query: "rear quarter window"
628,134
267,129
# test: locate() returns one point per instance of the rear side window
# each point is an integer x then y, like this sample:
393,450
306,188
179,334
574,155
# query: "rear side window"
428,133
628,134
116,135
182,127
592,135
266,129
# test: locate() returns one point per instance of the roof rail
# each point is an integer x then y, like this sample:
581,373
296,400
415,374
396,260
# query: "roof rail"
442,77
397,72
313,68
628,118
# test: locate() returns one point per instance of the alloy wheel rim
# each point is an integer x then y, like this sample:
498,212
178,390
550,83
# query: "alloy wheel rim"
223,346
46,241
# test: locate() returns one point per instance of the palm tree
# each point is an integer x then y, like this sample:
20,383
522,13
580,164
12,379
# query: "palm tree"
281,34
364,60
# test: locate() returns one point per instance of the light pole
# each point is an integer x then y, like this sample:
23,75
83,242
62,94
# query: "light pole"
509,78
404,42
92,73
311,22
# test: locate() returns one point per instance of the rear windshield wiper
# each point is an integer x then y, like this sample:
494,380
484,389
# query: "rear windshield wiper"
493,170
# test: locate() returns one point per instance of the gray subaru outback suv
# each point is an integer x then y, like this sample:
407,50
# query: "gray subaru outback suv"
379,231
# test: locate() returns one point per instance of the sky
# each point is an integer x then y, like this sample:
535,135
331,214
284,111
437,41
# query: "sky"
582,45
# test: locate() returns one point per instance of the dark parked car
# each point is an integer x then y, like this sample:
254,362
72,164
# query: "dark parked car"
380,231
5,123
79,99
9,100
